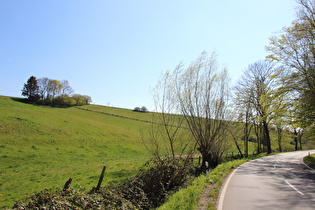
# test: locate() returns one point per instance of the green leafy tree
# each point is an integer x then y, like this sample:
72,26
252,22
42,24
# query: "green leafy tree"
294,49
54,88
87,99
30,89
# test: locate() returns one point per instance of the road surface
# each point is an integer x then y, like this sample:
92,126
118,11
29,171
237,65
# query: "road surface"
279,181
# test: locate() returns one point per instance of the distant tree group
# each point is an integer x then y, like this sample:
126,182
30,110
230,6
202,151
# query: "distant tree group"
140,109
52,92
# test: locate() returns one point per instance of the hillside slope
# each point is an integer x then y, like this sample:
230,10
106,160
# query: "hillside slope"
43,146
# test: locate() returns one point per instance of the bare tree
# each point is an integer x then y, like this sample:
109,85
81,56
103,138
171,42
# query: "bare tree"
166,134
203,96
252,90
43,87
66,88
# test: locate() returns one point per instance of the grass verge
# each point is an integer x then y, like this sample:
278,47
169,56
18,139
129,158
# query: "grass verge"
310,160
189,197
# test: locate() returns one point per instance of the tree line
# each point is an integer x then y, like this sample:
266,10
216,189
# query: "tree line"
277,92
52,92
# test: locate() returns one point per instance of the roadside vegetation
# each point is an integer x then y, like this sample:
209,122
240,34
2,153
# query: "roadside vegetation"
204,193
199,122
310,161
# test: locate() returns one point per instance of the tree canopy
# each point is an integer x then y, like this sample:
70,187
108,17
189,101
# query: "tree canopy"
294,50
53,92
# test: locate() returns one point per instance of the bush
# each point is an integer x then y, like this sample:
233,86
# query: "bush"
56,198
151,187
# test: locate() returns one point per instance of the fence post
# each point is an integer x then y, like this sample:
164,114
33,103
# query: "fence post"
67,184
101,179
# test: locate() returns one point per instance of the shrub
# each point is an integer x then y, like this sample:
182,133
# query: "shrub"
56,198
150,187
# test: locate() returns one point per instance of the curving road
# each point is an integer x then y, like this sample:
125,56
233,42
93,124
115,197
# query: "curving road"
279,181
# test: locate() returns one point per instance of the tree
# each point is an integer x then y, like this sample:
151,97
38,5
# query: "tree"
137,109
43,87
30,89
202,94
144,109
169,125
252,90
166,135
294,49
54,88
87,99
66,88
245,113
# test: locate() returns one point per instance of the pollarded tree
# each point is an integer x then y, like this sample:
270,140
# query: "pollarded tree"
202,94
30,89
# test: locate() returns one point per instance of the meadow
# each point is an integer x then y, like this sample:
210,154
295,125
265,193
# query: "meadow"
42,146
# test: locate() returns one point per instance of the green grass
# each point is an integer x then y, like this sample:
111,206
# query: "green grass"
42,147
187,198
310,160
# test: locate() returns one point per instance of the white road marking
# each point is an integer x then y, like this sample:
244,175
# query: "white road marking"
225,185
293,187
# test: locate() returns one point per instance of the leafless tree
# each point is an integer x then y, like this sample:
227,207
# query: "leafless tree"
202,94
166,135
66,88
43,87
252,89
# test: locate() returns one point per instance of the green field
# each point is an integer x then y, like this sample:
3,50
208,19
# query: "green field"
42,146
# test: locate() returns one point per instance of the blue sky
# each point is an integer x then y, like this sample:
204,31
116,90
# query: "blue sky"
115,50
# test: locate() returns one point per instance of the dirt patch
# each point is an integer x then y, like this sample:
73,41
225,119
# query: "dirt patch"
205,199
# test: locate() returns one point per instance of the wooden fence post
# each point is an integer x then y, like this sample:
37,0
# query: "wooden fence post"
67,185
101,179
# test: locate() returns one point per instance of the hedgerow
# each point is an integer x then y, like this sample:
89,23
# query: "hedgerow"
148,189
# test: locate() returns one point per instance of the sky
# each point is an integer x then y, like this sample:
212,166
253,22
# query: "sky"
116,50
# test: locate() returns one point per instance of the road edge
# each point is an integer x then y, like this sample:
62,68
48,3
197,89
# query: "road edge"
302,160
223,189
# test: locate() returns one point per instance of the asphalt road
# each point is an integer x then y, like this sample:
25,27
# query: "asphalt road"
274,182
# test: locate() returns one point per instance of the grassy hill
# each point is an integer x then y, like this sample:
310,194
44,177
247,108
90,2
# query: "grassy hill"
42,146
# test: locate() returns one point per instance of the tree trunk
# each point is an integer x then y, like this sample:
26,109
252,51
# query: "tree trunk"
211,161
295,140
246,140
267,137
279,132
296,143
